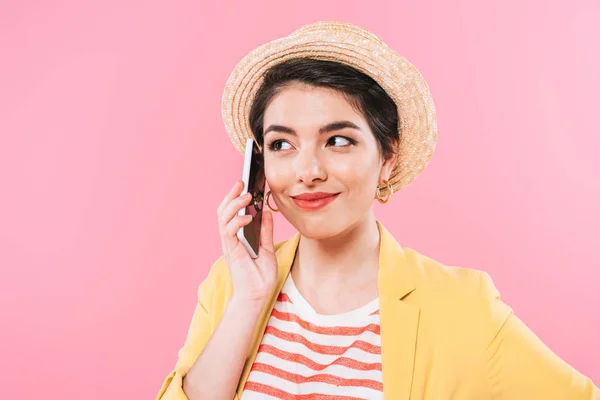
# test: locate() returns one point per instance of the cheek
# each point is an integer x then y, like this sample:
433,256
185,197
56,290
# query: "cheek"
356,175
277,173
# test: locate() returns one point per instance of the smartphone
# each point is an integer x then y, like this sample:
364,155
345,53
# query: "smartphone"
253,176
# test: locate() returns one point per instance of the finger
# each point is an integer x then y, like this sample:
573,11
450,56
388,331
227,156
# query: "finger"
234,206
234,192
236,223
266,232
230,232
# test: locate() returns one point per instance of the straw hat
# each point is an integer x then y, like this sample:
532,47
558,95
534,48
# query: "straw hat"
358,48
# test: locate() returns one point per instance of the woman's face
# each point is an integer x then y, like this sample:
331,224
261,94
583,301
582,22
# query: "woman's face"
315,142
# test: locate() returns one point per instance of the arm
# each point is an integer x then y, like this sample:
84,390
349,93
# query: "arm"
521,366
216,372
210,364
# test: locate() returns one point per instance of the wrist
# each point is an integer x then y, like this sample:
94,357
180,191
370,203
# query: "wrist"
245,306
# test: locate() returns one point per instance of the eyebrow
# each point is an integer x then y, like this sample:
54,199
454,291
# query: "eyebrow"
331,127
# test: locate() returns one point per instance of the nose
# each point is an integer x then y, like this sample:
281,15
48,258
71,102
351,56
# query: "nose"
309,167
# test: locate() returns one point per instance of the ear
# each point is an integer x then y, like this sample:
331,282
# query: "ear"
387,167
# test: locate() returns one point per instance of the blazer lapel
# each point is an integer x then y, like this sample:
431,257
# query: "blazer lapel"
399,320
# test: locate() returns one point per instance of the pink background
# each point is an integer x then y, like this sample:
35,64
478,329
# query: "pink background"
113,159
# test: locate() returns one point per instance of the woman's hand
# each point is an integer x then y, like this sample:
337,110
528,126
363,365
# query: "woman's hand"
253,279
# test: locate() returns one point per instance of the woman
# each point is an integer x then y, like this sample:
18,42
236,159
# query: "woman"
341,310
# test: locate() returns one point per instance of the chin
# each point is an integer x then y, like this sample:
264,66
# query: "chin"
318,226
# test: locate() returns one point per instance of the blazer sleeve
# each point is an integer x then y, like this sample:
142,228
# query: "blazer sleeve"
520,365
198,334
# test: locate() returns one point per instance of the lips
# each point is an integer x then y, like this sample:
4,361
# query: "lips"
314,201
313,196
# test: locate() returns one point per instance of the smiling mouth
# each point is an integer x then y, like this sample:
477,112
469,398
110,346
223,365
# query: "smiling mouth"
314,201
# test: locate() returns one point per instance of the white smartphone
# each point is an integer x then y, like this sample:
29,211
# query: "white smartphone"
253,176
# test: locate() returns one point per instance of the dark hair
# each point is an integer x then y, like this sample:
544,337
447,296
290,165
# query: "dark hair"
361,90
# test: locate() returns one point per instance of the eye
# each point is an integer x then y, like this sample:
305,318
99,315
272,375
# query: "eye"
340,141
278,145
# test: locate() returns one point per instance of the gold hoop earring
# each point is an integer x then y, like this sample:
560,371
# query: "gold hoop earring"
390,192
267,202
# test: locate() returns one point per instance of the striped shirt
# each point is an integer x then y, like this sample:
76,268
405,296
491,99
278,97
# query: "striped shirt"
310,356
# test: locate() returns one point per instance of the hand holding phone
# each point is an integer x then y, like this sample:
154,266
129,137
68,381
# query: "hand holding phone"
247,234
253,176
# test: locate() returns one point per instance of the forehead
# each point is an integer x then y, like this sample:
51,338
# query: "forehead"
304,104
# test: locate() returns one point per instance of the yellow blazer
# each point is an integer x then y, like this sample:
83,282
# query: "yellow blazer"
445,334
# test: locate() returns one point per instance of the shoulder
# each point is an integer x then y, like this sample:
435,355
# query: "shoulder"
439,280
461,296
432,275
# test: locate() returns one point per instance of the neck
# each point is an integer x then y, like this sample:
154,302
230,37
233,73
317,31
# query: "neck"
350,256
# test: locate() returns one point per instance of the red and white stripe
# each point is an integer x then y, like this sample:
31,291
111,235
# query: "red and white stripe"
306,355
